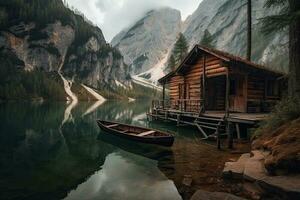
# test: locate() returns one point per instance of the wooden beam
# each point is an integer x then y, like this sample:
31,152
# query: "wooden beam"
228,126
204,83
230,135
227,94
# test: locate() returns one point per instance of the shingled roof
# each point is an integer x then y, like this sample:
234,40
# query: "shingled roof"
227,57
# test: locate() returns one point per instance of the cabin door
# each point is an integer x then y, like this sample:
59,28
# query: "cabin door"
237,93
215,93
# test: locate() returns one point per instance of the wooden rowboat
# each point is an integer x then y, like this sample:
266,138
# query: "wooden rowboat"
136,133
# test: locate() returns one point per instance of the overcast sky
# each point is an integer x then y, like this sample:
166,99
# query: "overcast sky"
114,15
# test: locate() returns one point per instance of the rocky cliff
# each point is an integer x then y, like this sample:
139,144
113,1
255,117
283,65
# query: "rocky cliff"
64,43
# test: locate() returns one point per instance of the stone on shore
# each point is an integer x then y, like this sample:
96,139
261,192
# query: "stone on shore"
254,167
204,195
235,170
253,170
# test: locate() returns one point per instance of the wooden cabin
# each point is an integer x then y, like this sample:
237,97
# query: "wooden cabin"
212,80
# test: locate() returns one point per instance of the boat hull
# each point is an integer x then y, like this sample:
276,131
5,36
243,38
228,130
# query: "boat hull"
164,141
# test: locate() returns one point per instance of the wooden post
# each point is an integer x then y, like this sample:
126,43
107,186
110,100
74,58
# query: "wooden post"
152,107
265,95
229,132
227,94
230,136
204,83
164,94
218,139
238,131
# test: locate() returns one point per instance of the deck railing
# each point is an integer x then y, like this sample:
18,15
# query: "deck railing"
184,105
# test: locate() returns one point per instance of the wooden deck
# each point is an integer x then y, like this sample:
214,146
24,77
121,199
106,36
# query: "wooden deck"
212,124
247,118
243,118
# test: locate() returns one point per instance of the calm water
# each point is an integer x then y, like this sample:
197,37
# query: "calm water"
57,151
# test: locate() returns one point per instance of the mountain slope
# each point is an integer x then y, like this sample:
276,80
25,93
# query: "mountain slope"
226,20
147,42
50,38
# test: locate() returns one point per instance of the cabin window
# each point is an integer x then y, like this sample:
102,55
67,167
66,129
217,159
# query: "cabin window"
233,87
272,88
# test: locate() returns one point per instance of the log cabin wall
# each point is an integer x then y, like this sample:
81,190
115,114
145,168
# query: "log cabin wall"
251,84
190,81
174,84
193,76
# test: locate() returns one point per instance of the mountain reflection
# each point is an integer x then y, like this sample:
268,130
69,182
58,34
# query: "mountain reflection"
44,156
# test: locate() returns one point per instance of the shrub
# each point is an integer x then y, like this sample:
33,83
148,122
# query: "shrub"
286,110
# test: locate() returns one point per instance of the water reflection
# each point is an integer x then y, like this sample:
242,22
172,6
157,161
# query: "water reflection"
126,176
45,156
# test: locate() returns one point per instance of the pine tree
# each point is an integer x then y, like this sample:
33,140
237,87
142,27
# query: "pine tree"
180,49
288,17
207,39
171,63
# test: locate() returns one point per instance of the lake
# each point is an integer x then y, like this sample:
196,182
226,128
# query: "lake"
57,151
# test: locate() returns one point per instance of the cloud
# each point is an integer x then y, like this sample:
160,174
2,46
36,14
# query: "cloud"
114,15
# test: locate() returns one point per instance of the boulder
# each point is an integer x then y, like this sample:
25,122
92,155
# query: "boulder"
254,168
235,170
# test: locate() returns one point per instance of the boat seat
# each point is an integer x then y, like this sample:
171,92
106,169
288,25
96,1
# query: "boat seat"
112,125
146,133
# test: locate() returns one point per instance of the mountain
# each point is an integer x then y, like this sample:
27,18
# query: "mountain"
46,39
225,20
146,44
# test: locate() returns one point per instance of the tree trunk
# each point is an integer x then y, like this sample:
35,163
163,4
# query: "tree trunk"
294,48
249,31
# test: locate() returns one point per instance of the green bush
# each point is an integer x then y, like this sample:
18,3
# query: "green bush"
286,110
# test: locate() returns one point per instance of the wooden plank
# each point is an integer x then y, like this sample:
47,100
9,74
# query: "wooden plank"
112,125
201,130
146,133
